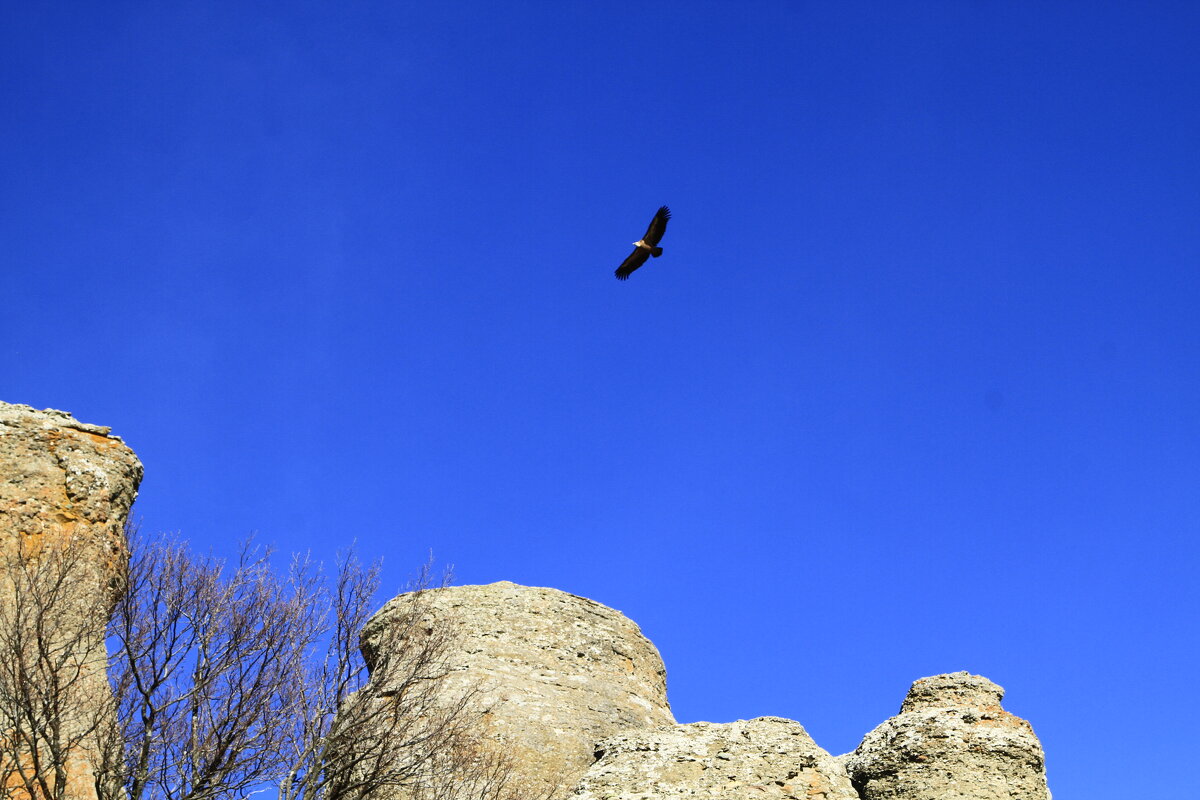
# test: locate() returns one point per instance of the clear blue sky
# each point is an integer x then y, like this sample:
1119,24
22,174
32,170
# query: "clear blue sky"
915,387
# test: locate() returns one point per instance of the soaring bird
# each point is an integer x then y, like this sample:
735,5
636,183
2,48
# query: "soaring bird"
648,246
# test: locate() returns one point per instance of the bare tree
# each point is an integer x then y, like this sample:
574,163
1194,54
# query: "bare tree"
56,712
356,744
232,677
228,677
475,768
208,666
408,735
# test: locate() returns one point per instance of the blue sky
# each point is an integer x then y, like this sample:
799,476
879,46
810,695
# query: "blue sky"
913,389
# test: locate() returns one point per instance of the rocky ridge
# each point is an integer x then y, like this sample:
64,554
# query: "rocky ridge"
578,695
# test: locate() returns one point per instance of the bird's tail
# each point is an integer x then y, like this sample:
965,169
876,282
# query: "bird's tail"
656,252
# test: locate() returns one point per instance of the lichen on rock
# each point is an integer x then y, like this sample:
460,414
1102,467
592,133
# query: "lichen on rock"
66,488
555,672
951,741
769,757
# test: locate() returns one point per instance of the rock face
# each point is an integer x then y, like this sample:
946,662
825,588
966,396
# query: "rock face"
768,757
65,493
577,697
557,672
951,741
63,479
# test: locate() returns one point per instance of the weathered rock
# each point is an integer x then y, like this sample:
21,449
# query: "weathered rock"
63,479
951,741
768,757
556,672
65,492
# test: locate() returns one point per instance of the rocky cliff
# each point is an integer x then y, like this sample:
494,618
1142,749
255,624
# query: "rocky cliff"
65,492
578,695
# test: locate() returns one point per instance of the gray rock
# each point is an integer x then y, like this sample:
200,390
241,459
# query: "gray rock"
767,758
951,741
555,672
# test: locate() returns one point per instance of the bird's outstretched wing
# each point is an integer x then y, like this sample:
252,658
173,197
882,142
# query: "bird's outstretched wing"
658,226
635,260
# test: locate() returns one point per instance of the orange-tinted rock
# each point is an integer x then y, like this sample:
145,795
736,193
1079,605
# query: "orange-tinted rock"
65,493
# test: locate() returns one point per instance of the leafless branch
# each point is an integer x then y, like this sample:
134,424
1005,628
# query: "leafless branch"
56,714
227,677
207,662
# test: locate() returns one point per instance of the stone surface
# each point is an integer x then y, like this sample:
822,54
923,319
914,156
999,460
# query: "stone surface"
60,479
950,741
768,757
557,672
65,492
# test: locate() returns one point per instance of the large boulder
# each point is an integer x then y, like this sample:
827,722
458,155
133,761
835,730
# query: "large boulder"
769,758
951,741
554,672
65,493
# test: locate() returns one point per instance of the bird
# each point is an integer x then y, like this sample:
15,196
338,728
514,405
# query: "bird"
647,246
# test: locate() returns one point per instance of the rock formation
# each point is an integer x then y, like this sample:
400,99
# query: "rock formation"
555,672
577,696
65,493
951,741
569,690
768,757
